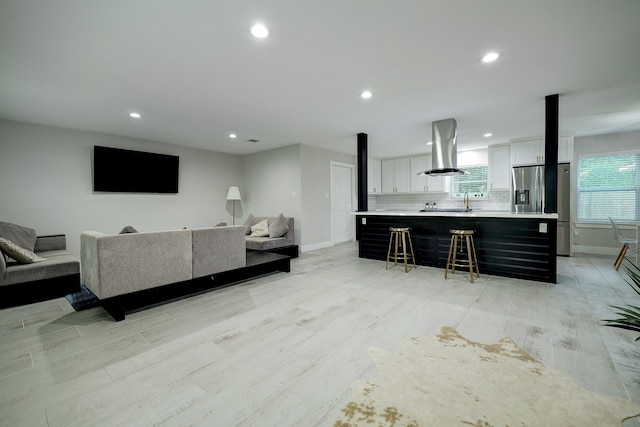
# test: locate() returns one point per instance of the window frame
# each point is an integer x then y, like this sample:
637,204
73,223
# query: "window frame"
592,190
480,195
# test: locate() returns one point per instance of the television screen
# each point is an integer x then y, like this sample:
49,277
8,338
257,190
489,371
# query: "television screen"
127,171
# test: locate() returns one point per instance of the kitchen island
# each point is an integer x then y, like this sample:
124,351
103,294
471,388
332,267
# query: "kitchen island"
519,245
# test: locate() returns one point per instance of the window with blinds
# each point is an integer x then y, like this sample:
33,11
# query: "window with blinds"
474,182
609,186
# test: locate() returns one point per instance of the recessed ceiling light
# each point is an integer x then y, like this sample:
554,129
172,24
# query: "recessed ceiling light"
233,135
135,115
259,31
430,143
487,135
366,94
491,56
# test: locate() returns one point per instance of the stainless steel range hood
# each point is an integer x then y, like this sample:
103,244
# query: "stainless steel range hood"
444,149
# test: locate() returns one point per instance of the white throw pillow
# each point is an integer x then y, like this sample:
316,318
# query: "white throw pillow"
261,229
20,254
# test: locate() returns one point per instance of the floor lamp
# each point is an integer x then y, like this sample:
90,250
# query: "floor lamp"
234,194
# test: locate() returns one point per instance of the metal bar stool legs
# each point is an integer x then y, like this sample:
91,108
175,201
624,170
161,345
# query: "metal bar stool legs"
398,240
452,259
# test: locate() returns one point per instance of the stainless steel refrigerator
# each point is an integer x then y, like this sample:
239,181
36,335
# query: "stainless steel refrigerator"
528,196
528,186
564,230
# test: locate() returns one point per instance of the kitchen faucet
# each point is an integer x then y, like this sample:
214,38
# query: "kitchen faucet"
466,200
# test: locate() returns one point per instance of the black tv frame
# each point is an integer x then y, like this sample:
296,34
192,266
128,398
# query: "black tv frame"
117,170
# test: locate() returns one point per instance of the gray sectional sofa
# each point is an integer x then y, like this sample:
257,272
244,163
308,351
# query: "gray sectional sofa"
121,265
25,283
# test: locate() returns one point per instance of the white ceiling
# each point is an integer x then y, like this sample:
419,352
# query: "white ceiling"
194,72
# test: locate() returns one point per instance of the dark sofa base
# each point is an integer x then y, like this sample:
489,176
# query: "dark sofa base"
38,290
289,250
258,264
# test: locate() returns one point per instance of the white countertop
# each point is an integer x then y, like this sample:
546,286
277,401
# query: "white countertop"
472,214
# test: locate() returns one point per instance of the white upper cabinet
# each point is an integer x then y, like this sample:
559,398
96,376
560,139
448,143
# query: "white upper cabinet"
532,152
388,175
418,182
434,182
499,168
374,177
395,175
403,183
565,149
527,152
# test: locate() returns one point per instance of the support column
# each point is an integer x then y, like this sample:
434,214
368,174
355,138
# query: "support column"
551,154
362,185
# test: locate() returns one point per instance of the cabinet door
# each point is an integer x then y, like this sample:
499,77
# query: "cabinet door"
527,152
434,182
403,168
565,149
499,168
388,174
418,182
374,179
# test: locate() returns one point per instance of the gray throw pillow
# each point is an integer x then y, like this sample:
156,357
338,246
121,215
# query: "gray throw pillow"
250,222
128,229
22,236
18,253
278,227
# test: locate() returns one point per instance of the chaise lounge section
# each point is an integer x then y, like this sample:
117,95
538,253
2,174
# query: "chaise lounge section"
25,283
279,236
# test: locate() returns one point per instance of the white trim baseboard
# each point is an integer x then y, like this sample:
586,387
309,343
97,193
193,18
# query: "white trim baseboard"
595,250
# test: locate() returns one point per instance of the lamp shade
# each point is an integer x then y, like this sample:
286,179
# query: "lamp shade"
234,193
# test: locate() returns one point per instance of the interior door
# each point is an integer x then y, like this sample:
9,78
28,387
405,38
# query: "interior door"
341,202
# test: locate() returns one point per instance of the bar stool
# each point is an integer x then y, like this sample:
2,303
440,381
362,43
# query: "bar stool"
464,238
399,236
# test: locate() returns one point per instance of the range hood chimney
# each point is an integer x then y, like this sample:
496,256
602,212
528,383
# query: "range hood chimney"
444,149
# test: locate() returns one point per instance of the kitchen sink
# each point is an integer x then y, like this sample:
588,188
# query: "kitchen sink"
447,210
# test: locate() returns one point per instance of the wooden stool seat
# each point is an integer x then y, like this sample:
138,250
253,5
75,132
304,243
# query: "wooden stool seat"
398,239
463,238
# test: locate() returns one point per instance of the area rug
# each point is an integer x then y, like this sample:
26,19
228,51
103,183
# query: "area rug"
448,380
83,300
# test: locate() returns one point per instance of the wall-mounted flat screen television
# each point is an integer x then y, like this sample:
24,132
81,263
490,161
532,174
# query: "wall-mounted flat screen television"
127,171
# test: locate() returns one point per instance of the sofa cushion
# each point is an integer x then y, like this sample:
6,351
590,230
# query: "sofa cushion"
17,252
249,222
57,264
260,229
278,226
265,243
22,236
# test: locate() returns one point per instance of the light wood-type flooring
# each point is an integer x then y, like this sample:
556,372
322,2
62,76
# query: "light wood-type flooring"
283,349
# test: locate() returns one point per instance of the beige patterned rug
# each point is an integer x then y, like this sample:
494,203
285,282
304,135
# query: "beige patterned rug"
448,380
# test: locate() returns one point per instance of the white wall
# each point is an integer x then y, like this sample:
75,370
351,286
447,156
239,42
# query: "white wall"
45,183
273,186
316,194
598,238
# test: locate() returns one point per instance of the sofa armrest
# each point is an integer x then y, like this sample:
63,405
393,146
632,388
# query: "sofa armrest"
55,242
289,236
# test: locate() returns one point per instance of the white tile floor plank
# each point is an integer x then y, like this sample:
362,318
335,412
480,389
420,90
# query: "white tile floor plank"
282,350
